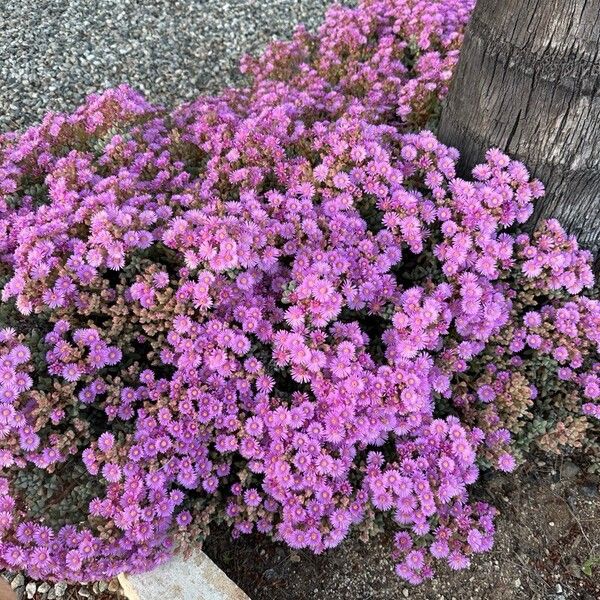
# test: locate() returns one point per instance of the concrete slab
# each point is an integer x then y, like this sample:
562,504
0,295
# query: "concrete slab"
6,592
193,578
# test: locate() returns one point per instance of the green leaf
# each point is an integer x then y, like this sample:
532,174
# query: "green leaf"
589,565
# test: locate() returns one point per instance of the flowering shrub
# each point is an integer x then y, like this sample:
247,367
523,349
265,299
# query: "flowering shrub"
279,307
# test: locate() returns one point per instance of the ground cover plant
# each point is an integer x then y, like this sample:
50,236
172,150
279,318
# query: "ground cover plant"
280,308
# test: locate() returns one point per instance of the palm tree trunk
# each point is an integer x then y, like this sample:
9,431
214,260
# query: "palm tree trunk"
528,82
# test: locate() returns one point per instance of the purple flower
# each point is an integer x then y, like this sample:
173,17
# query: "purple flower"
111,472
184,518
591,409
252,497
486,393
71,372
106,442
506,462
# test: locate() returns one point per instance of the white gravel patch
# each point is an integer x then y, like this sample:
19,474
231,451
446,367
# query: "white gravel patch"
55,52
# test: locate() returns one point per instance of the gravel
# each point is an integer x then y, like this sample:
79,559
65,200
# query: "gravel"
25,588
55,52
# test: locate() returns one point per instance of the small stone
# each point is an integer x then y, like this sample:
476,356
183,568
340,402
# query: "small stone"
517,582
589,490
280,553
83,592
113,585
17,581
575,570
405,593
51,594
95,587
102,586
43,587
569,470
30,589
551,523
60,588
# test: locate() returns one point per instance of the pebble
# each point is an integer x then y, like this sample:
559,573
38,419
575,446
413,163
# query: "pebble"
83,592
53,53
30,589
591,491
60,588
280,553
569,470
43,587
17,581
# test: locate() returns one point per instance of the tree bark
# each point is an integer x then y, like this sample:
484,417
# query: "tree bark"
528,82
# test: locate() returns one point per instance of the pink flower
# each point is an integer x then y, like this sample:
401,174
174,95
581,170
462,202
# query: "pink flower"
106,442
111,472
506,462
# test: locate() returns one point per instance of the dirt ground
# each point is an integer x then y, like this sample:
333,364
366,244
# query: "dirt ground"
548,539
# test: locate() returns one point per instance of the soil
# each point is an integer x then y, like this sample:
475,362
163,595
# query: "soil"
548,538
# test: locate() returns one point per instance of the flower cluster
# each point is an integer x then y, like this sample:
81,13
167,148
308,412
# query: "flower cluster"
539,378
88,354
278,307
394,58
550,259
